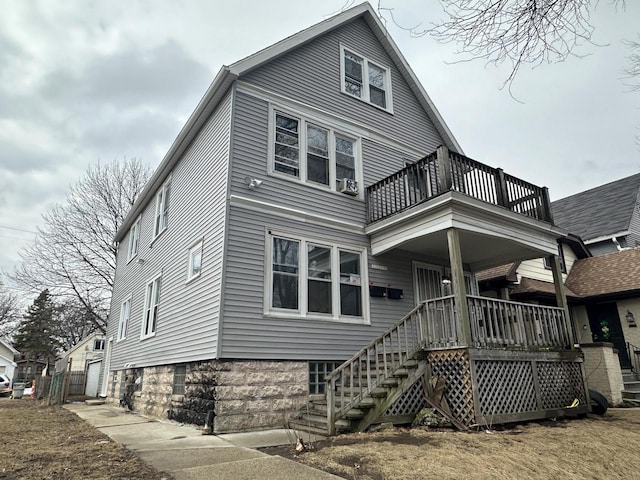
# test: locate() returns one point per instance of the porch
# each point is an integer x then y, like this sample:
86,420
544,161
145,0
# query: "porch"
500,361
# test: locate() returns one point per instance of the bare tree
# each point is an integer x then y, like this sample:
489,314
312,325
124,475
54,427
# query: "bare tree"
632,69
73,254
8,311
518,31
73,322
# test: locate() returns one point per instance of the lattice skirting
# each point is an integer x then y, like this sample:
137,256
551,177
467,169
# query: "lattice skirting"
409,403
454,367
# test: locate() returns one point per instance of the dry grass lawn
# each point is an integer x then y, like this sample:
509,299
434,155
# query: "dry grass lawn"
52,443
605,447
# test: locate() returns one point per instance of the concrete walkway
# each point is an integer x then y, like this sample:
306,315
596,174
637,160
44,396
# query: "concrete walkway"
186,454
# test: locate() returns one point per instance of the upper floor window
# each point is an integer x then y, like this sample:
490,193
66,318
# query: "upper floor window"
98,344
195,261
151,305
162,209
313,279
313,153
125,312
134,240
365,79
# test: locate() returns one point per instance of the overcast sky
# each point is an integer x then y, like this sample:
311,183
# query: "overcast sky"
82,81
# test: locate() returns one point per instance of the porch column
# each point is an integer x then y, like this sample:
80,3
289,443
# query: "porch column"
459,289
561,298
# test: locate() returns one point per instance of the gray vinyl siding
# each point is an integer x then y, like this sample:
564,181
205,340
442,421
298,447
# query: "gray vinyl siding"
188,315
633,239
311,74
247,333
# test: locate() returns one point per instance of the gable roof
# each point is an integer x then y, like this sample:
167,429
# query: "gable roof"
506,271
532,286
85,341
599,212
7,344
228,74
612,273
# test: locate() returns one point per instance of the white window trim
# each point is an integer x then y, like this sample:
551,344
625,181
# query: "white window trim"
147,299
301,312
123,324
365,80
302,149
159,207
134,240
198,245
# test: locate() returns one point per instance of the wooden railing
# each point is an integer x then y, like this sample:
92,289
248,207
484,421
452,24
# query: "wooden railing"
500,323
358,376
444,171
439,323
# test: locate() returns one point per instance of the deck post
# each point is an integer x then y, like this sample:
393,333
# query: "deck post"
501,188
546,202
459,289
561,297
445,177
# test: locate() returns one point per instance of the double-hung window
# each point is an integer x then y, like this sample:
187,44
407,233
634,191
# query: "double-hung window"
366,80
313,153
315,279
162,209
125,313
134,240
151,305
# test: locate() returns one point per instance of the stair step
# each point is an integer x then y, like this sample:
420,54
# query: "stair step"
319,421
305,427
630,394
321,409
633,386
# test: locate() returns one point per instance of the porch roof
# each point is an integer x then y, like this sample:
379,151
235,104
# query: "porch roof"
613,273
533,286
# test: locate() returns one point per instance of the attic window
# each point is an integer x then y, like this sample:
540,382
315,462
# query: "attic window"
365,80
563,265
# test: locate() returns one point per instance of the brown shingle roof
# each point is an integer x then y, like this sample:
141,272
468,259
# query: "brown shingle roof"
616,272
529,285
498,272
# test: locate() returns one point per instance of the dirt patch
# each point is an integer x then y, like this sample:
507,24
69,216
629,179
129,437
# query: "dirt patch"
40,442
590,448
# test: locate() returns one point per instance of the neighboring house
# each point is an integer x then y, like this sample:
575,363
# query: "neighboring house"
8,356
316,203
89,349
607,218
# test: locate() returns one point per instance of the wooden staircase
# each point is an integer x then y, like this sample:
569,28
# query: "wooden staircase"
631,391
361,390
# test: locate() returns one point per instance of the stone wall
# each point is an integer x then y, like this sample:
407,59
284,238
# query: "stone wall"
602,369
245,395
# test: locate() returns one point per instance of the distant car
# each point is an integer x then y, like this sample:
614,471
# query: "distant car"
5,385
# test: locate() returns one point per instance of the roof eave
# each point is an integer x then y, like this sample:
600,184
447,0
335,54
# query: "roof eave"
196,121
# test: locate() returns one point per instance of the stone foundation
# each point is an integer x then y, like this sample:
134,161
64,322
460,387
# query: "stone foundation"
602,370
245,395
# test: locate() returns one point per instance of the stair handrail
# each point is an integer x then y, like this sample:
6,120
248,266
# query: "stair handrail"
377,346
634,357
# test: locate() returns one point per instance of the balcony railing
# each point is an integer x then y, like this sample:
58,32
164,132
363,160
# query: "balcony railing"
495,324
444,171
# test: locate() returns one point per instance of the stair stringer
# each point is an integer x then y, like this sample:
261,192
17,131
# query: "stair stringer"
382,404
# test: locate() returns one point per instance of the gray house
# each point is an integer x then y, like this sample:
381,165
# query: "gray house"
606,217
312,235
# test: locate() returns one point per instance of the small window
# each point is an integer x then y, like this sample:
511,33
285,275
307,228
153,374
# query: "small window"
563,267
179,378
195,261
162,209
366,80
125,313
134,240
98,345
151,305
317,373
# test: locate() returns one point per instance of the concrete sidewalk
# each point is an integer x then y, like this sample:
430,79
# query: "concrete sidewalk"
186,454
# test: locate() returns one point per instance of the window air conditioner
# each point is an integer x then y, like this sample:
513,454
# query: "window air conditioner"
348,187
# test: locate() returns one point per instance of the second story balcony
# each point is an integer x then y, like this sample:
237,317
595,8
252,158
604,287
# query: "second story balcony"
500,218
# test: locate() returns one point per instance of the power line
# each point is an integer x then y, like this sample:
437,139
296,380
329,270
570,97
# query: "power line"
14,238
17,229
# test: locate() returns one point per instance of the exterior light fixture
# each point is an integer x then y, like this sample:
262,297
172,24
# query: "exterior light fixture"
630,319
252,183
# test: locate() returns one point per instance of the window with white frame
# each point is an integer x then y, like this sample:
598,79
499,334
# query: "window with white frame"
311,152
365,79
162,209
151,304
98,344
125,313
134,240
195,261
315,279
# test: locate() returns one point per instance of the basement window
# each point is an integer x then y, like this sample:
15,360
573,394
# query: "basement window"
179,377
317,373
